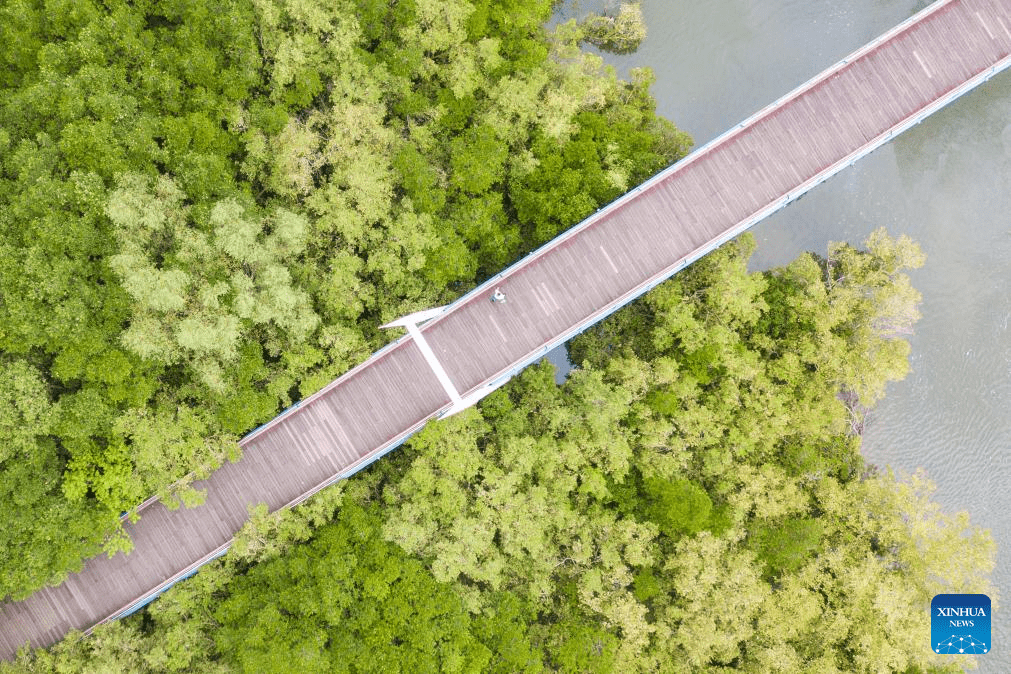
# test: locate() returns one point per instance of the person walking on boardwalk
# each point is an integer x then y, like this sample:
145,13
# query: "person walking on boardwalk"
498,296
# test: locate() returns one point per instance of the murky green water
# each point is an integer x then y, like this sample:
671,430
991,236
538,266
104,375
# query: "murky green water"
945,183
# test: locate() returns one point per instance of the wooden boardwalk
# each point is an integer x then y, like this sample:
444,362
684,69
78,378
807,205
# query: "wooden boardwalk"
556,292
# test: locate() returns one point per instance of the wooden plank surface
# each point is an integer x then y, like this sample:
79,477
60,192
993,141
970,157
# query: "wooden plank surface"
564,286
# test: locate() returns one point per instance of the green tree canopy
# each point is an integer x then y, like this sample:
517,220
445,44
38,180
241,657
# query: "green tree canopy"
207,208
632,519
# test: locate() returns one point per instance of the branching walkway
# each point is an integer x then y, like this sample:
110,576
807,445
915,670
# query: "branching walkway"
453,356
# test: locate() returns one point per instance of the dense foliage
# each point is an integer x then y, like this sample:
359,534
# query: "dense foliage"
207,207
691,499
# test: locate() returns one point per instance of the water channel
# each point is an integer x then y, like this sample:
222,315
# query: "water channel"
945,182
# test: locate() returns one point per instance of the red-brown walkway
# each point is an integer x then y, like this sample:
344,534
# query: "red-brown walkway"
596,267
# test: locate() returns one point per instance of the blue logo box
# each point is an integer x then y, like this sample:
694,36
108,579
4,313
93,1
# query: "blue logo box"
960,624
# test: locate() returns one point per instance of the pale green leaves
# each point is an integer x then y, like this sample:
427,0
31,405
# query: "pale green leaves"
441,24
859,603
196,289
233,234
156,289
930,535
173,441
297,157
150,339
518,514
206,336
142,209
873,305
720,595
289,233
26,411
621,34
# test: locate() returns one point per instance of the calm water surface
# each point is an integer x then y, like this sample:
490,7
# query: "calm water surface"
945,183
